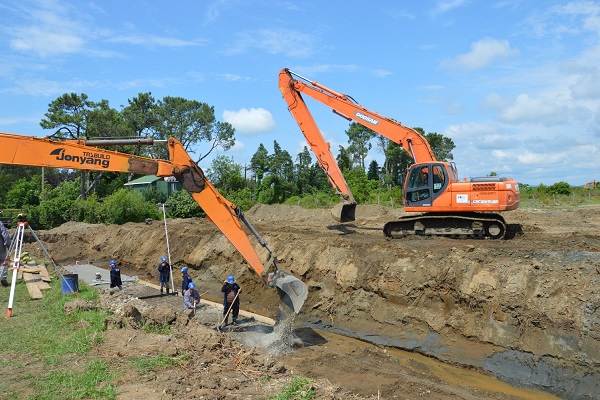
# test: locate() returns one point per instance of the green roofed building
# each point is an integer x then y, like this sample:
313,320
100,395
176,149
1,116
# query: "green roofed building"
164,185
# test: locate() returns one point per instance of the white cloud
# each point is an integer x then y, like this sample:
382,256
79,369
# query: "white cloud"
569,19
253,120
443,6
586,86
153,40
381,73
233,77
483,53
540,110
45,43
275,41
238,147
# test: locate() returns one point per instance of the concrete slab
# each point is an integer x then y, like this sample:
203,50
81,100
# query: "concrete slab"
89,273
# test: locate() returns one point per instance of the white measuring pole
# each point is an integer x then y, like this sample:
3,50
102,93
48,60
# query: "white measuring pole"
16,265
168,249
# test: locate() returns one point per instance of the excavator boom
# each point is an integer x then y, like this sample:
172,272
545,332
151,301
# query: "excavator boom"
78,154
431,186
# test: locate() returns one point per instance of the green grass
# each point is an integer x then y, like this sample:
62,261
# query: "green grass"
152,364
91,381
297,389
532,198
161,329
49,349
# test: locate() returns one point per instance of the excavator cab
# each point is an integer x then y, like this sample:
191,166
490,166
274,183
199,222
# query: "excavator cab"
425,182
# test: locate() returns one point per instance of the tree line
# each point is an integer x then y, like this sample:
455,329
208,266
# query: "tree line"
51,197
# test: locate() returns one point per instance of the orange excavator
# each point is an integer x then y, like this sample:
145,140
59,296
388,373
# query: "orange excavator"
83,154
448,207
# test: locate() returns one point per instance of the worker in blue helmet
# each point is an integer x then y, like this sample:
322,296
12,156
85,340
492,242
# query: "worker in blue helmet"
4,246
164,273
231,300
191,297
115,275
185,279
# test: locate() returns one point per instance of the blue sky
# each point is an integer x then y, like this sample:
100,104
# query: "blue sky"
514,83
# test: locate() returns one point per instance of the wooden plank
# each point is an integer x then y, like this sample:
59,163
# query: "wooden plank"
30,269
44,273
43,285
31,284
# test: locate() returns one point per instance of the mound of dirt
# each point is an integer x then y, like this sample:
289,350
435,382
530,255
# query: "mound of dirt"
525,310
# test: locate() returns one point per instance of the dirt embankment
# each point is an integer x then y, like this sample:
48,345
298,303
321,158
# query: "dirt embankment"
526,310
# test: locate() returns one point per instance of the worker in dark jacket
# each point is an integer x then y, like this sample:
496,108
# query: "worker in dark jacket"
115,275
231,300
4,246
185,280
164,270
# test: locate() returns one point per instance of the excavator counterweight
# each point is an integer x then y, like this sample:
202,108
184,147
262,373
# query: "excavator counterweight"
448,207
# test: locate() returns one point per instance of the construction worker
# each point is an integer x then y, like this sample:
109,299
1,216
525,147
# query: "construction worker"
164,270
115,275
185,279
231,300
191,297
4,246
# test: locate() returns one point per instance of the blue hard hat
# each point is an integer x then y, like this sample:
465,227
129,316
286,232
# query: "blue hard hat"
163,259
191,285
230,279
113,262
184,269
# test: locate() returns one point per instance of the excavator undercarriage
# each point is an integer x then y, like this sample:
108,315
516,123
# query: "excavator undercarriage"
470,225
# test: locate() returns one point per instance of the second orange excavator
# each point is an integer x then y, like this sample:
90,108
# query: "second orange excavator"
448,206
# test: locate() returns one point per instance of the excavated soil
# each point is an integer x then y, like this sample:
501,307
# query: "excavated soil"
524,310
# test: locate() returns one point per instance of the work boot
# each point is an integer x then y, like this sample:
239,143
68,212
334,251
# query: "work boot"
234,321
225,321
161,292
167,290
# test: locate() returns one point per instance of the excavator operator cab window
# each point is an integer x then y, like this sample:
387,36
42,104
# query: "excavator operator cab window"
418,184
438,178
425,183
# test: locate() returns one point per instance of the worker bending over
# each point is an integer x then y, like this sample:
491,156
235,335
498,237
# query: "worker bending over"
191,297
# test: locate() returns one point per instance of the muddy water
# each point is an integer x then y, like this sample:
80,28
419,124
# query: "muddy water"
426,366
464,377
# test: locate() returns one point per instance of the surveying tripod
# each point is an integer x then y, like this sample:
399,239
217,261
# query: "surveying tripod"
16,246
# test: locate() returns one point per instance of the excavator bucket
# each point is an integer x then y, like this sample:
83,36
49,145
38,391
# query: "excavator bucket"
344,211
292,291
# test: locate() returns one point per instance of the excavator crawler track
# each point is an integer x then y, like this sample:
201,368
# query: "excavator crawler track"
464,225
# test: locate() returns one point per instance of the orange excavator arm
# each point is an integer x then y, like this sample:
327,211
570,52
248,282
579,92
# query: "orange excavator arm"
343,105
81,155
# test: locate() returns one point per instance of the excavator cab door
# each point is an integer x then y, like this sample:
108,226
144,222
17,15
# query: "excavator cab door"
424,183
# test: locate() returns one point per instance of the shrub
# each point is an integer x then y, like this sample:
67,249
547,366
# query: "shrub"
128,206
182,205
560,188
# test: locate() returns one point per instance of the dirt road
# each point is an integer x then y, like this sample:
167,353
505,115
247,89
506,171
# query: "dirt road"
525,310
